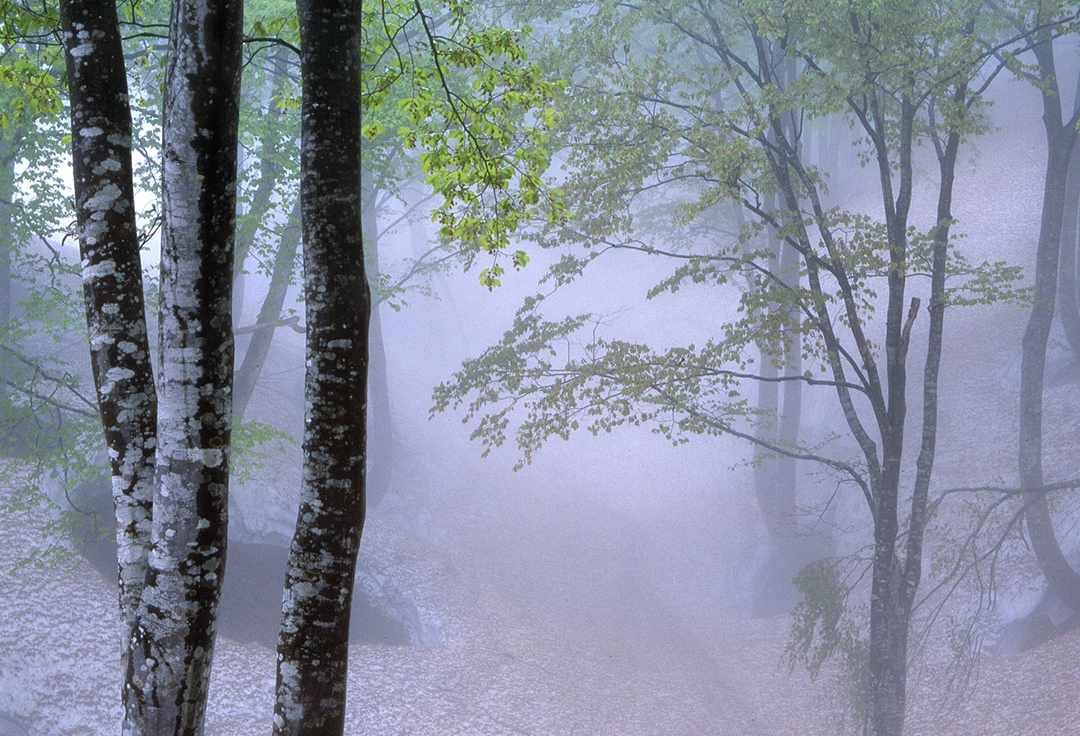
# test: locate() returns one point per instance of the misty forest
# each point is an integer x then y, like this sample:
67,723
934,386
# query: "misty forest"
545,367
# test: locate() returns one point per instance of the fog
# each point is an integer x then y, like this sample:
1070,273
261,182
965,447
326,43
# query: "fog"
617,582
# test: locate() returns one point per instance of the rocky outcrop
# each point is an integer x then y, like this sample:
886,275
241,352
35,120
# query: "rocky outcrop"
255,572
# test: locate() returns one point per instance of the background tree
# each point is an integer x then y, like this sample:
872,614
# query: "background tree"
1053,247
904,72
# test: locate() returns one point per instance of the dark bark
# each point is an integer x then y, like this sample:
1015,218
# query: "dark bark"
890,603
112,284
173,645
1061,139
313,646
268,318
889,612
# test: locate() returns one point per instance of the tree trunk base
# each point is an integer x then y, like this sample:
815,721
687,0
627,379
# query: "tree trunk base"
773,587
1050,619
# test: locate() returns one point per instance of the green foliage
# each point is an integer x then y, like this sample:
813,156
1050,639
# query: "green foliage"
31,63
823,629
465,95
52,446
252,444
563,385
683,142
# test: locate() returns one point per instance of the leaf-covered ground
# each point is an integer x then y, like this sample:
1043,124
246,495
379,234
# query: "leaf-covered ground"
521,656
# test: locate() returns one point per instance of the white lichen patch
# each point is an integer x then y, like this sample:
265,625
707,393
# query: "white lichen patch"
83,49
109,164
209,456
105,198
99,270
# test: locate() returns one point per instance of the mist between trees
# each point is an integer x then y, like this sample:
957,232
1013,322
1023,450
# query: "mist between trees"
794,256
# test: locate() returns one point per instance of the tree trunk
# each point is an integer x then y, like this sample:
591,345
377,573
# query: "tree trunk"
266,323
791,414
775,476
173,646
270,171
313,644
8,153
1061,138
889,620
380,418
889,624
112,282
1068,297
777,485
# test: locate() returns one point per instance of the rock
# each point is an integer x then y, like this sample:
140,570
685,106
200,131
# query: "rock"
254,575
1050,618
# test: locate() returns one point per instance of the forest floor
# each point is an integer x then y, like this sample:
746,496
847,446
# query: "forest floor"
512,663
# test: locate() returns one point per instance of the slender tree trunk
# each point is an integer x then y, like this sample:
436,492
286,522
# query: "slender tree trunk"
1061,138
174,642
791,410
889,614
1068,296
774,475
887,687
112,283
773,501
270,171
248,226
247,377
380,418
313,644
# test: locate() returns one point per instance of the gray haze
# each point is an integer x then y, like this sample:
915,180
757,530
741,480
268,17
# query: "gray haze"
607,587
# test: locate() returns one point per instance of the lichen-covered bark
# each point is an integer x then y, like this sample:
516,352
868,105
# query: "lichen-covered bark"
174,642
112,279
313,644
